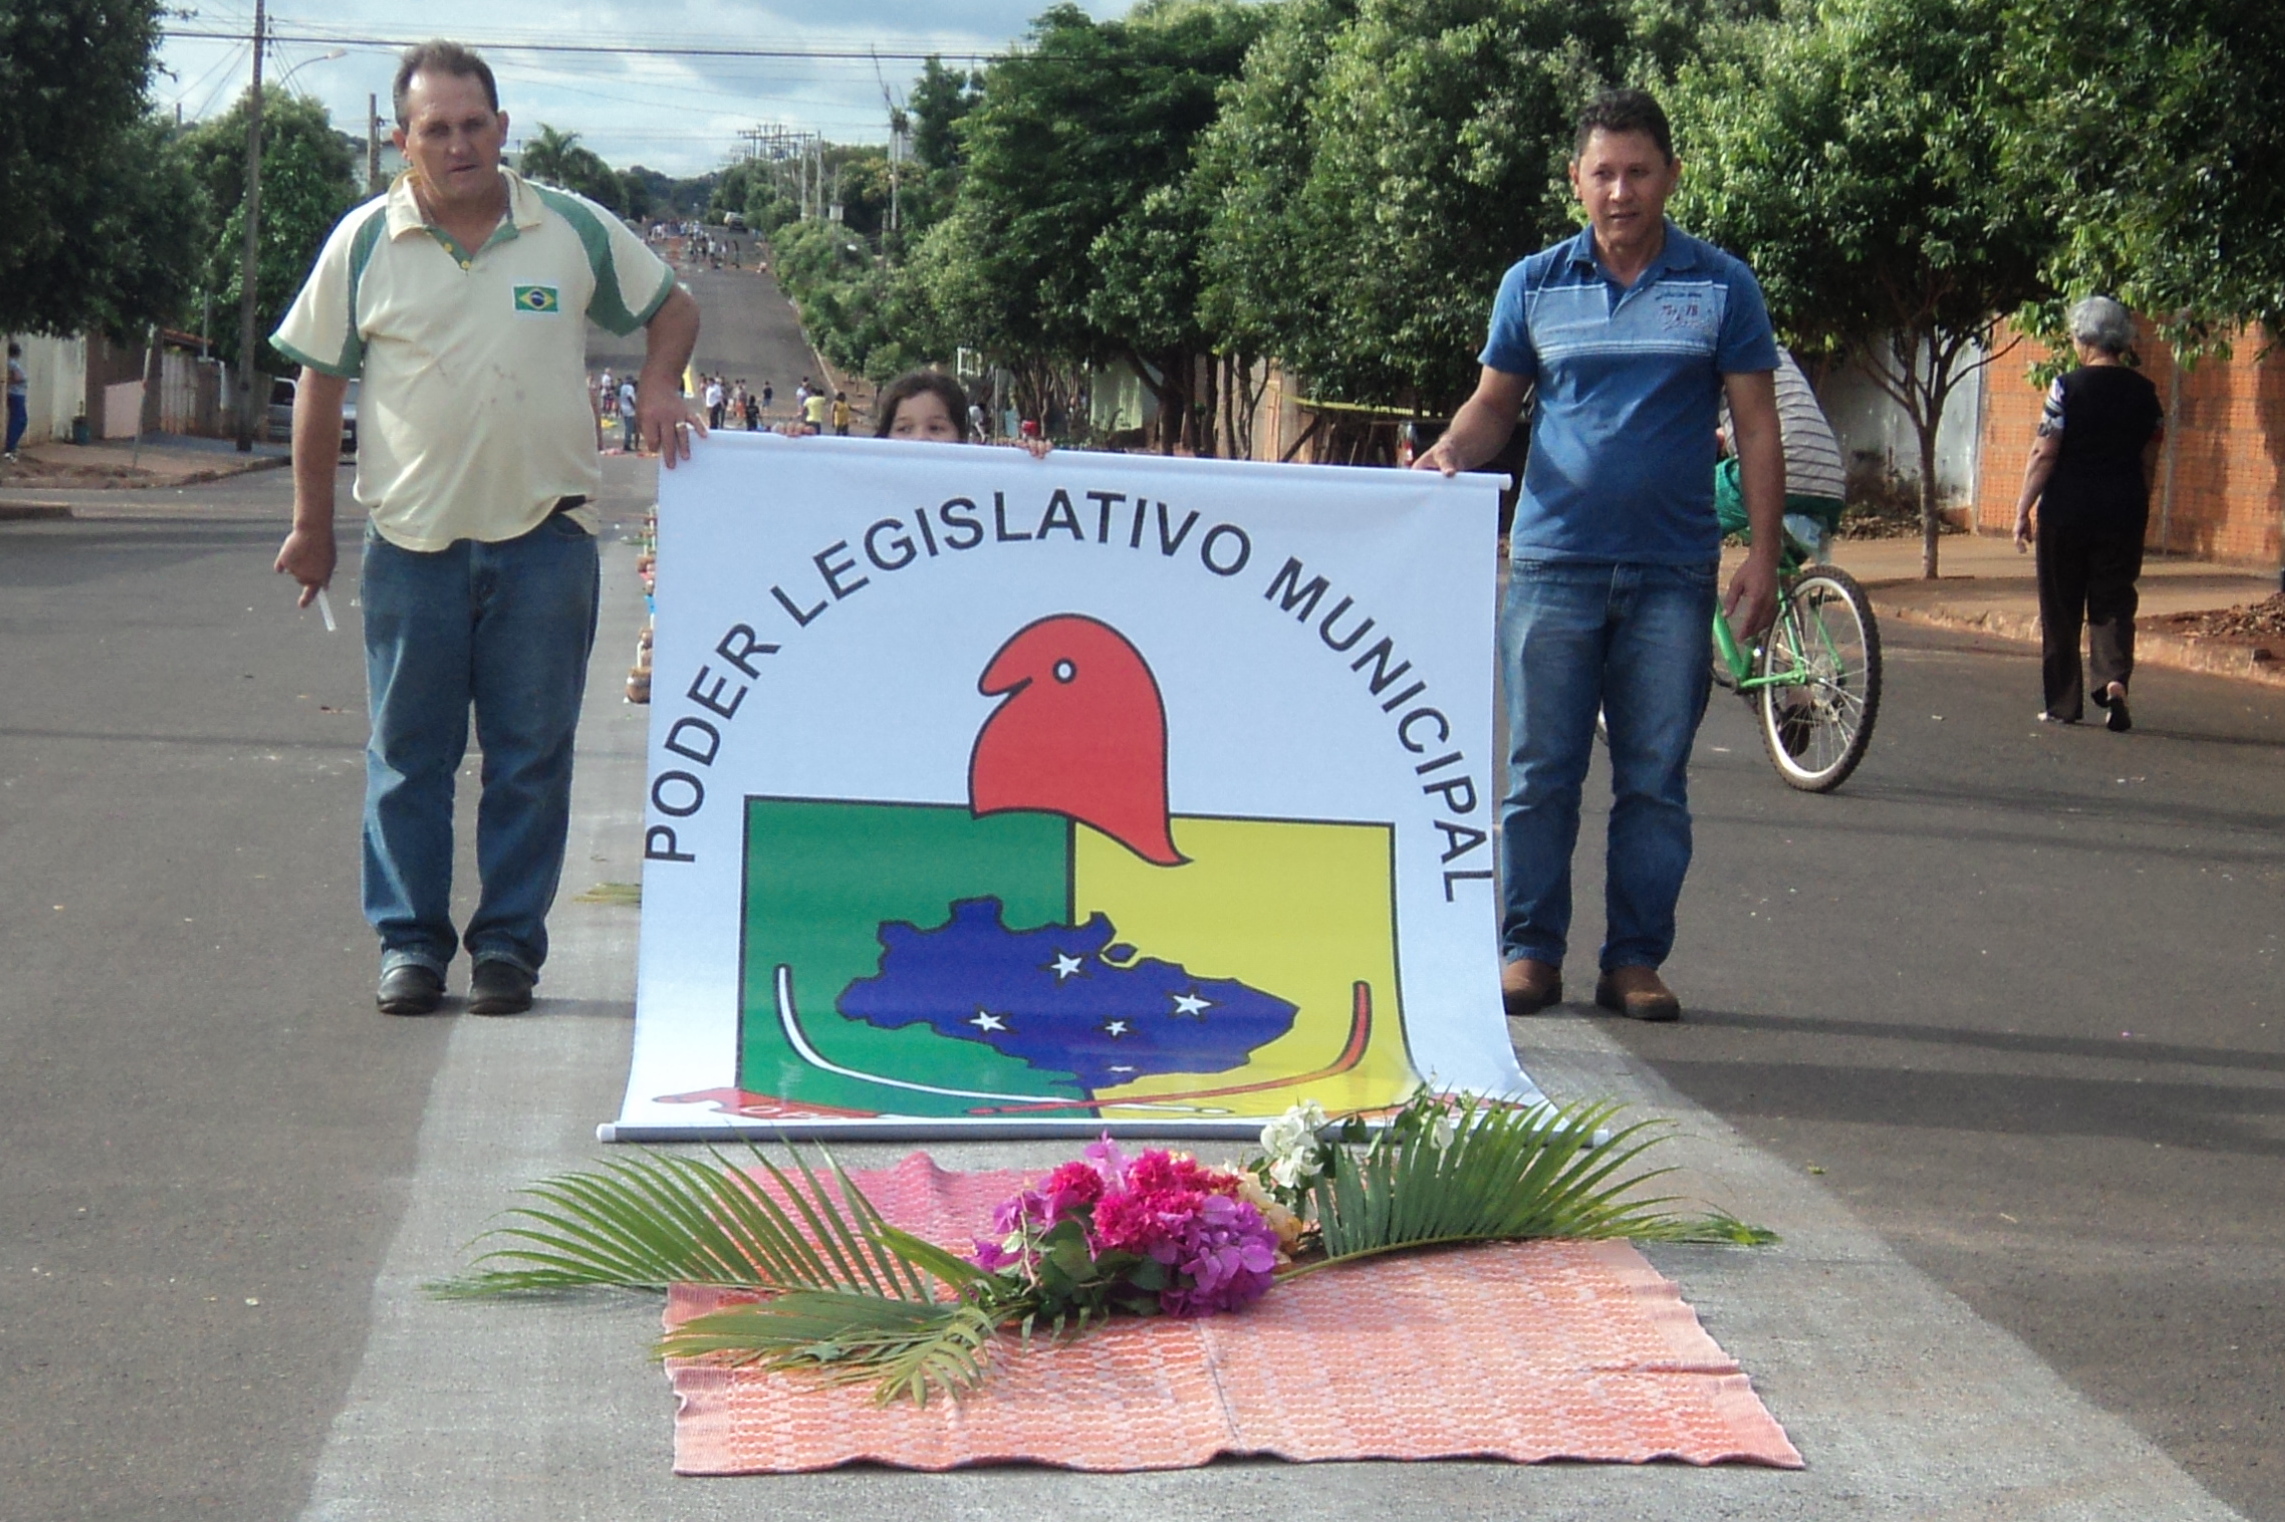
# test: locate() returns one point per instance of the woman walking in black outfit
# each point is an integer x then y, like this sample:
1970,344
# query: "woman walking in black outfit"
2089,476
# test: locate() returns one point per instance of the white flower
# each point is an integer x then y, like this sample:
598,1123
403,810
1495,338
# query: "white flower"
1287,1171
1441,1131
1294,1130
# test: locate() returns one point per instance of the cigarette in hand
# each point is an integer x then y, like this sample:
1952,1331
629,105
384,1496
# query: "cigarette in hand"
325,610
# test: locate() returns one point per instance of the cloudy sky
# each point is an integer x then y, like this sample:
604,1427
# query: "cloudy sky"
675,111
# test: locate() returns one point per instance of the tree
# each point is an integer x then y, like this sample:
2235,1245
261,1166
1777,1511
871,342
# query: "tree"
1382,161
1086,129
2152,139
1858,159
560,159
940,98
311,174
99,226
634,195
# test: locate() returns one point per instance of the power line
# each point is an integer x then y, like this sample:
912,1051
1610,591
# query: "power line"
345,39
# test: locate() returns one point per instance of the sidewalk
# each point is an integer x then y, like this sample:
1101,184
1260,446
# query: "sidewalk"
1988,587
165,460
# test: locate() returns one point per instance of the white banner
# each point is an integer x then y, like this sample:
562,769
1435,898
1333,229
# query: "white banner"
1000,795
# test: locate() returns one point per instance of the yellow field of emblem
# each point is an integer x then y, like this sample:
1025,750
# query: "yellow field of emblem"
1304,909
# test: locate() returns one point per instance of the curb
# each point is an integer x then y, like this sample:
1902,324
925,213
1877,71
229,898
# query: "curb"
15,512
169,481
2150,648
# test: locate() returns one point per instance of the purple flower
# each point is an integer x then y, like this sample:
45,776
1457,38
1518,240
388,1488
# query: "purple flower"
991,1256
1228,1253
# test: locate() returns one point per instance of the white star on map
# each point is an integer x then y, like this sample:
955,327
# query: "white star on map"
985,1020
1116,1028
1192,1005
1065,965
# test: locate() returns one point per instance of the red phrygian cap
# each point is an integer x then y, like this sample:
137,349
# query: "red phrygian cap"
1081,733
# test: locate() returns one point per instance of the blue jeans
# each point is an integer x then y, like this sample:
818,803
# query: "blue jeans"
1631,640
506,628
19,416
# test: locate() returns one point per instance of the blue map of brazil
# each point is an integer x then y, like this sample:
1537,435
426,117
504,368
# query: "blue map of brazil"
1069,1000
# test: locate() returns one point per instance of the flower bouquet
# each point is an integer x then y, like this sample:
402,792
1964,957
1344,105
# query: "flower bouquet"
847,1296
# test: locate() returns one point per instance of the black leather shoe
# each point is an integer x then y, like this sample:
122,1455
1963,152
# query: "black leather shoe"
409,989
499,988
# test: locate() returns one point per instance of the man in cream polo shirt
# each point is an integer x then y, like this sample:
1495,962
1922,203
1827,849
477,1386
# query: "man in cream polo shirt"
462,298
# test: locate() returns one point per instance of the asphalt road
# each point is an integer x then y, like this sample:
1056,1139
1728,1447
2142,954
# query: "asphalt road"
2012,990
749,333
205,1130
2014,993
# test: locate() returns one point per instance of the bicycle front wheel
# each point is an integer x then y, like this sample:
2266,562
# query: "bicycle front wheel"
1816,729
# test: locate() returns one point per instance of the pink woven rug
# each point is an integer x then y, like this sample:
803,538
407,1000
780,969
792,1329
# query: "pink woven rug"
1526,1352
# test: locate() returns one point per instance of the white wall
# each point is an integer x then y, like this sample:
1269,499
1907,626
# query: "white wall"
1869,422
56,373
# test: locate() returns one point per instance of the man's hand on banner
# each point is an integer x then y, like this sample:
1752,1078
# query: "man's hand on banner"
667,420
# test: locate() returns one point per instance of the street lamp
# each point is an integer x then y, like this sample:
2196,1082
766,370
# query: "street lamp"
306,62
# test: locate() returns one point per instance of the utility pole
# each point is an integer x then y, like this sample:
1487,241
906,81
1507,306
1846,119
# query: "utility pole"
896,163
372,144
250,256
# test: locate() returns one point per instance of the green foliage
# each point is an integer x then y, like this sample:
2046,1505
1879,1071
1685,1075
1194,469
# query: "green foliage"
906,1350
98,219
1498,1173
861,178
634,195
860,311
1073,237
311,174
658,1219
2151,139
560,159
939,99
666,196
1383,161
1859,160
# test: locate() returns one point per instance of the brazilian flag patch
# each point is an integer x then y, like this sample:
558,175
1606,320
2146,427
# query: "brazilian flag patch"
539,299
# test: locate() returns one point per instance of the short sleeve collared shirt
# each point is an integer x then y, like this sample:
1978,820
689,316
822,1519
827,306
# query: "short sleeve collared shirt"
473,420
1629,383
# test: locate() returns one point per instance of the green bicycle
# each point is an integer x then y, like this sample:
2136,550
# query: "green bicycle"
1813,676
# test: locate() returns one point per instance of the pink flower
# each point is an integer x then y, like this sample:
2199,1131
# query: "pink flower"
1162,1205
1069,1189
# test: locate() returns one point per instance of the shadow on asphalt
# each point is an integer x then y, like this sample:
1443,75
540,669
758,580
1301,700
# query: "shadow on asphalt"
2016,1105
2191,737
2115,1050
2123,807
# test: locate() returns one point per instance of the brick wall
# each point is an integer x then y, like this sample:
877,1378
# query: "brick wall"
2221,484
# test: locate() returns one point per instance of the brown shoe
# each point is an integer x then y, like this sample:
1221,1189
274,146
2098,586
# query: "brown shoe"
1527,987
1637,993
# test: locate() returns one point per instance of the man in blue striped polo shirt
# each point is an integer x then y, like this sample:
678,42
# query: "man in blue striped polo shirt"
1631,334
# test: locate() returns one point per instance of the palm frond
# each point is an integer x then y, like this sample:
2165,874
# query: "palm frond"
1506,1174
907,1349
655,1219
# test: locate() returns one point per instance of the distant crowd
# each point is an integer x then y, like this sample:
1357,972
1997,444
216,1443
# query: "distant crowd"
734,404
